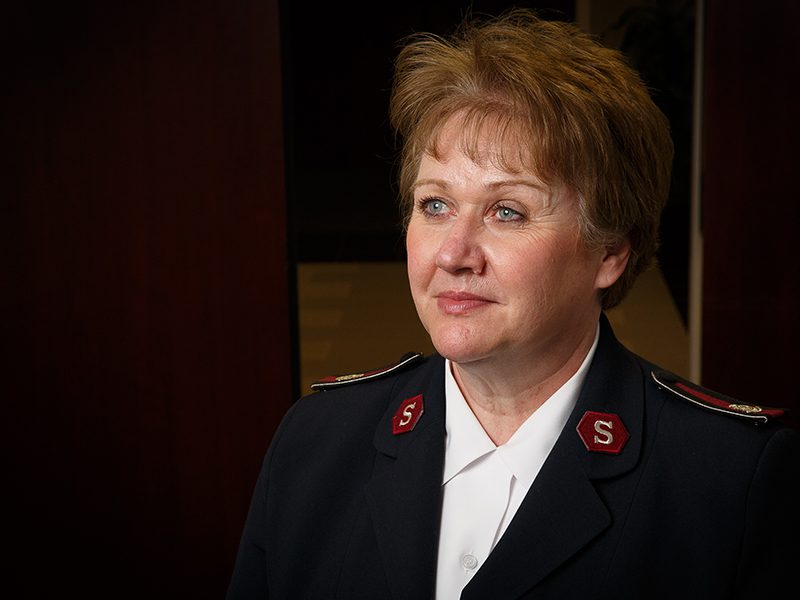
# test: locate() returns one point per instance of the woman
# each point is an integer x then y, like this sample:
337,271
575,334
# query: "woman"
533,456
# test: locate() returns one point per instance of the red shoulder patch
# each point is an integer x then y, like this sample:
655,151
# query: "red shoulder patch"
603,432
334,381
714,400
407,415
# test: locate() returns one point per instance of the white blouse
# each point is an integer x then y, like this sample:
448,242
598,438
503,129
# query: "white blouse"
485,484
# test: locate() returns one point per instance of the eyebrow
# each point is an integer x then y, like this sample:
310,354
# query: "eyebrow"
490,186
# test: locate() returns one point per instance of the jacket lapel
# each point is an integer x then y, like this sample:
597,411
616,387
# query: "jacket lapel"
562,511
404,495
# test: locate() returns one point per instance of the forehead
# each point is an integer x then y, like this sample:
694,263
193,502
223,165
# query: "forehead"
488,141
453,170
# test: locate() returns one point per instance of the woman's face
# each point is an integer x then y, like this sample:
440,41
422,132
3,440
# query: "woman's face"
496,264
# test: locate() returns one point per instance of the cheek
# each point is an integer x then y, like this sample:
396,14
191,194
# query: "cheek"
541,272
416,262
419,249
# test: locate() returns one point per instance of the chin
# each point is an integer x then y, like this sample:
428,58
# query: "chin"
460,346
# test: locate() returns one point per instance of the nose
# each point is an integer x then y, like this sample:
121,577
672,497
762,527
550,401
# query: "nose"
460,249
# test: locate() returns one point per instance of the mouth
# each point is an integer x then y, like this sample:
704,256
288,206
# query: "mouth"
460,303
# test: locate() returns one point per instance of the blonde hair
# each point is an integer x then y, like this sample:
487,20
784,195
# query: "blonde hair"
559,103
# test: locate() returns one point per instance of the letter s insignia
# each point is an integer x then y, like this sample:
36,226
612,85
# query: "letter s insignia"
602,432
606,433
407,415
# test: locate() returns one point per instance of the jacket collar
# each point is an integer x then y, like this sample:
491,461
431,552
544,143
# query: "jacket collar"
561,513
404,495
615,384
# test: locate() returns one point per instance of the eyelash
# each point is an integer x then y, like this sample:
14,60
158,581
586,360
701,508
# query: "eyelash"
425,202
518,216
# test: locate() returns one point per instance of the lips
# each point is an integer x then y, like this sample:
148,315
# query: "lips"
460,303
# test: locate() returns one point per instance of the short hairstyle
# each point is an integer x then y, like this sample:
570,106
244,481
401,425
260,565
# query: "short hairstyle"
561,104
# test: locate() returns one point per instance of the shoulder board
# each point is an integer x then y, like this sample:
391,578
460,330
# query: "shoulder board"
335,381
713,400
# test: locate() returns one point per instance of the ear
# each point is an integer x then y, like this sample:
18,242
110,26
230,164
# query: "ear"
613,263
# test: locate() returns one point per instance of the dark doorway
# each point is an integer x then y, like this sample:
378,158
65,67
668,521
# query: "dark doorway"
338,64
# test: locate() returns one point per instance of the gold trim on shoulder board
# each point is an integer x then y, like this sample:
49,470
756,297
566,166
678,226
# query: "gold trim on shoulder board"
349,377
745,408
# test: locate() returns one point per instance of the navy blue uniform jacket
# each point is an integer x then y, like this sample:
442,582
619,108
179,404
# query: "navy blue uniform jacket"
698,504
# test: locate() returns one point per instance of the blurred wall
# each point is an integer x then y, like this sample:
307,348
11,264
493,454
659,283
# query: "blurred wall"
750,205
146,310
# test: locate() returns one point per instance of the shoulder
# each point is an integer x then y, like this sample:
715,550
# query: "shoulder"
342,411
363,394
699,439
681,390
699,426
404,363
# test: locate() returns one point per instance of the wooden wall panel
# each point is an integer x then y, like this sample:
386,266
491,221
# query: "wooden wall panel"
146,295
751,211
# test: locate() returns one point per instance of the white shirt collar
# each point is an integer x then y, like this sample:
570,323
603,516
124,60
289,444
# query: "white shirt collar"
528,448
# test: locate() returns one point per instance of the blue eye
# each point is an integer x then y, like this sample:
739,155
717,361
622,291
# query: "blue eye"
433,206
507,214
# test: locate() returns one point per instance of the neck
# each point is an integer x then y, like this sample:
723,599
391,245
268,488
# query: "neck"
503,392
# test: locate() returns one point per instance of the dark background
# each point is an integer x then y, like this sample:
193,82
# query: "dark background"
147,315
338,68
164,167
